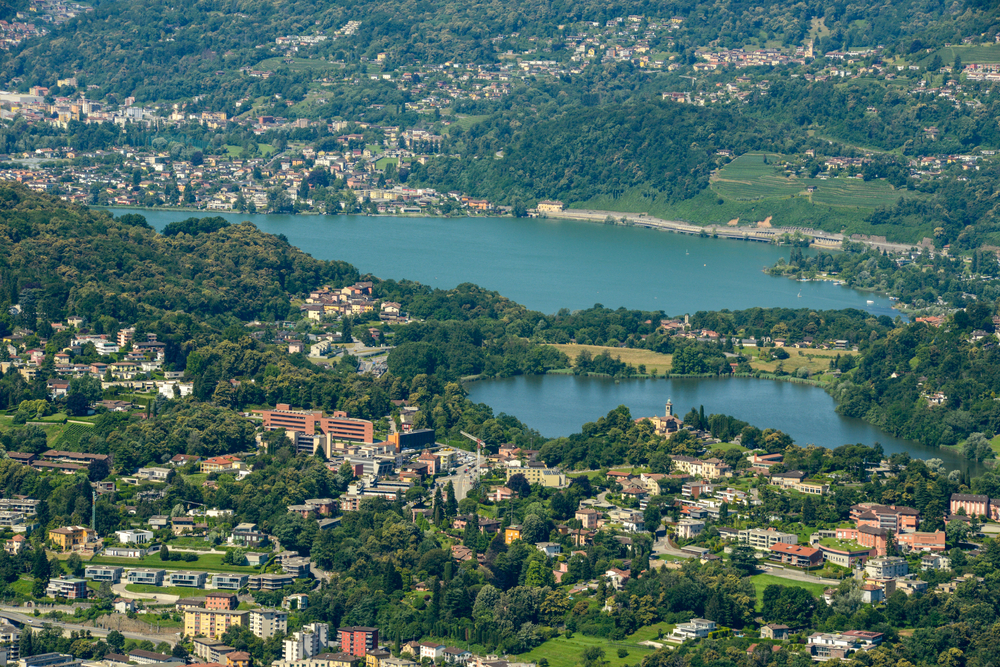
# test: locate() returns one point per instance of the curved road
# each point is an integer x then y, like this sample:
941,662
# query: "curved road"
160,598
664,546
38,623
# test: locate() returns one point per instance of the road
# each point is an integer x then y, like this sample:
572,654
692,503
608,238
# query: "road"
663,547
40,622
462,481
751,232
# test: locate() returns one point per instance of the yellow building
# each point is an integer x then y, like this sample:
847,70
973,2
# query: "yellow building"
511,533
72,536
549,477
212,623
548,206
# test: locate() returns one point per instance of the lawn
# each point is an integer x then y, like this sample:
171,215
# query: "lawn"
465,122
562,652
154,619
846,545
654,361
648,633
816,361
205,563
179,591
762,581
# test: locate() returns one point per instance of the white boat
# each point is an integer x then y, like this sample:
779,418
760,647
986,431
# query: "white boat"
870,302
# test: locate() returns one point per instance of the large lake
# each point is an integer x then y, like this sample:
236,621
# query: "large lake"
558,405
551,264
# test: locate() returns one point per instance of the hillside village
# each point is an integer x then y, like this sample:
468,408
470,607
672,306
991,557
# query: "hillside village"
720,503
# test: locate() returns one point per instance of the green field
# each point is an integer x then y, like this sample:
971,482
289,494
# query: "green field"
986,55
749,177
562,652
205,563
181,592
762,581
856,193
382,163
749,191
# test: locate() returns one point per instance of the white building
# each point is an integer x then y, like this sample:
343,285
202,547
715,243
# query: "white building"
134,536
265,623
696,628
688,528
311,640
888,567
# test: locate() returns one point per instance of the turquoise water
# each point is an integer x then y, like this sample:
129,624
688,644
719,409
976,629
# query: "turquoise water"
558,405
551,264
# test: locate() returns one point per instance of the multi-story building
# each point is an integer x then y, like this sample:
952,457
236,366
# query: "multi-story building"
10,641
763,540
887,567
72,537
110,573
265,623
221,601
228,581
311,640
339,426
358,640
689,528
549,477
187,579
866,536
974,505
67,587
922,541
212,623
211,650
146,576
796,554
896,518
134,536
248,535
270,582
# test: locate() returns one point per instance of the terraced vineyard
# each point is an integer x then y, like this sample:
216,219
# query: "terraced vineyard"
856,193
70,437
750,177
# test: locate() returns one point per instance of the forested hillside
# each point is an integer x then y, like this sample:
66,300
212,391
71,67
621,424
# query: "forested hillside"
584,153
86,262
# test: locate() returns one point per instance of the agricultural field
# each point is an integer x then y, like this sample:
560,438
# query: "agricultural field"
988,54
58,435
753,176
855,193
817,361
654,361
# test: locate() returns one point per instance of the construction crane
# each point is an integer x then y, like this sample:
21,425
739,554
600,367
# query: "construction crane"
479,452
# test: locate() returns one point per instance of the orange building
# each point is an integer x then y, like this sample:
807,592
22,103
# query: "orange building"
339,426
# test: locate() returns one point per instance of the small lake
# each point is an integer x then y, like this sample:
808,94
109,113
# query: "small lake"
558,405
551,264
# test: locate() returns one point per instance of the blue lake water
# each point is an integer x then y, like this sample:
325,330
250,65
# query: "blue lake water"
551,264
